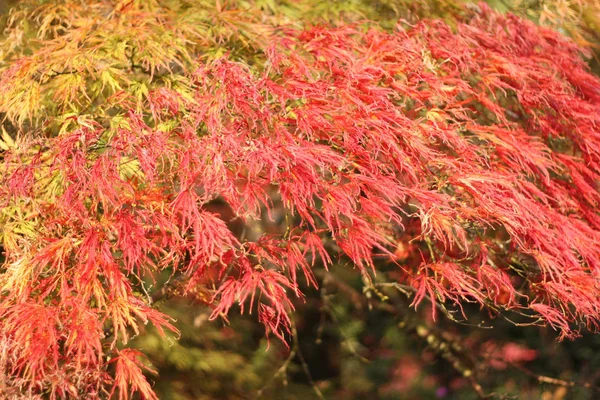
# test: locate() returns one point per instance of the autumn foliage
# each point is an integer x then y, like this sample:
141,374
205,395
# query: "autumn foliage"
467,157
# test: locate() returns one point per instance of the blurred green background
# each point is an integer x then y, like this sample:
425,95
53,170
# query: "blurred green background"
347,348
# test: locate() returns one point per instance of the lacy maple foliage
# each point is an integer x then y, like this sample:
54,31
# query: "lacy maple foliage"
467,156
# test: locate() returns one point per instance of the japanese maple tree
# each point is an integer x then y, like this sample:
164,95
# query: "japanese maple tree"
468,157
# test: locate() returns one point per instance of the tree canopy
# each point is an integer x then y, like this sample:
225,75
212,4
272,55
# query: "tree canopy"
228,153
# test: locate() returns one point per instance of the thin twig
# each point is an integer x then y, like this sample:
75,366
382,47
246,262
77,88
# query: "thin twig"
280,371
347,339
304,364
544,378
166,290
294,351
